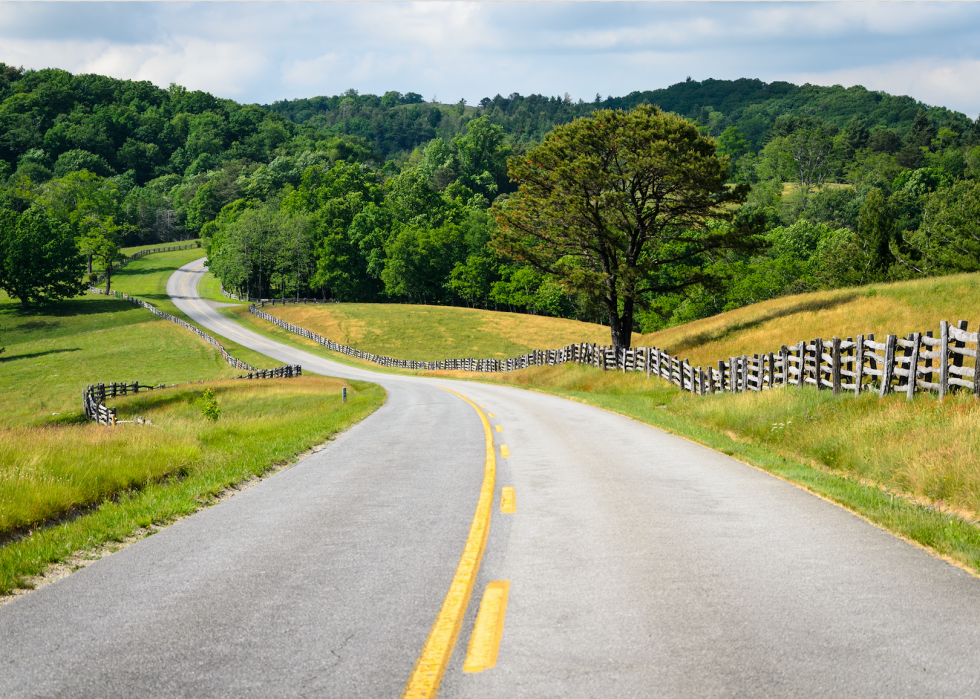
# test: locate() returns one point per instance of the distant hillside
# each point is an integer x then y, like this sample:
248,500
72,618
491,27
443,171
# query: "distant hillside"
752,105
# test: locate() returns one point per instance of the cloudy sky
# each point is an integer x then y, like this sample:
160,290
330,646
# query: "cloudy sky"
261,52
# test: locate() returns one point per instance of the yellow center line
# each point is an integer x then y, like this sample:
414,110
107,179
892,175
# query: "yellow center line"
489,628
499,428
504,451
490,415
431,664
508,501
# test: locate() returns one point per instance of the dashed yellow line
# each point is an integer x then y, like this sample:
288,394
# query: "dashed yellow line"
504,451
490,415
508,501
489,628
499,428
431,664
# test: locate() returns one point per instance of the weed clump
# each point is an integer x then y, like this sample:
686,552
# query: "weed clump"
210,408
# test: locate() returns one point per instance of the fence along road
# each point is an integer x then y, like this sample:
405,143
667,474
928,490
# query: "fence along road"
638,564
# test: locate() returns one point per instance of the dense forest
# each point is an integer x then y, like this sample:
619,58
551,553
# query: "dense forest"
379,198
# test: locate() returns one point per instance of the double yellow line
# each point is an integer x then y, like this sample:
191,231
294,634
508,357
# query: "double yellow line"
431,665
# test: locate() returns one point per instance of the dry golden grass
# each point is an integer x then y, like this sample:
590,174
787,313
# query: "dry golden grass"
437,332
896,309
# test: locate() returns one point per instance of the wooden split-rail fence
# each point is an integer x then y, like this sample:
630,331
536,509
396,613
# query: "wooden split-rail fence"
236,297
94,397
141,253
937,363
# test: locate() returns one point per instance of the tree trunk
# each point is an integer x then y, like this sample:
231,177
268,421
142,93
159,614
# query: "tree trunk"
108,278
90,264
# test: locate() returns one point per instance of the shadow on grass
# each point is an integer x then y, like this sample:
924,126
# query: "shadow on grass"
141,270
66,308
813,305
32,355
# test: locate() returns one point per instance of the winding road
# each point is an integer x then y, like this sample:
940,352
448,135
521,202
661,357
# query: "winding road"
639,565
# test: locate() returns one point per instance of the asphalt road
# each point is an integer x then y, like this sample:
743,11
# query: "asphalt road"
640,565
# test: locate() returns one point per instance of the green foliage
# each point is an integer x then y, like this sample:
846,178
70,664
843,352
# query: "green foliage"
949,239
619,206
39,261
209,406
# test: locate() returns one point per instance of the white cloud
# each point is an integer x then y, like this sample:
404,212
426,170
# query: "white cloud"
267,51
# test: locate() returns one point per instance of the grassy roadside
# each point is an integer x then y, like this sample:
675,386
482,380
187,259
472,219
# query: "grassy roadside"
430,333
126,479
897,309
146,278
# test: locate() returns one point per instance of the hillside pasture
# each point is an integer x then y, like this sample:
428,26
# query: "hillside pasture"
883,309
419,332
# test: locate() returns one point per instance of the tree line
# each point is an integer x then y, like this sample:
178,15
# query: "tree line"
367,198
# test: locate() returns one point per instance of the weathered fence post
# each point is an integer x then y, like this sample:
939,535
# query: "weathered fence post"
976,367
913,364
887,370
858,365
745,373
835,364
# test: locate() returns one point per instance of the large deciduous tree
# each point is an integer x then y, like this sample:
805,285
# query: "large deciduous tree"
39,261
622,206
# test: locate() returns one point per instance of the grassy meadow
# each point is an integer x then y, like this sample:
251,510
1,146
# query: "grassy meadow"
883,309
132,476
418,332
53,352
68,486
146,278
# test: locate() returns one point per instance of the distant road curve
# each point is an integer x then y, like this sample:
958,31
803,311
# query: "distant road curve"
639,565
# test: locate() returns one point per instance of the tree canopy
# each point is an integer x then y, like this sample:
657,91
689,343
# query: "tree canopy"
621,206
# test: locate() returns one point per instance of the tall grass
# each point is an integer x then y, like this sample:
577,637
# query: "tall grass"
897,309
133,475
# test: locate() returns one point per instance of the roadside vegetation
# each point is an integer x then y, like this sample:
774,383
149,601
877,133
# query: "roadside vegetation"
133,476
67,486
897,308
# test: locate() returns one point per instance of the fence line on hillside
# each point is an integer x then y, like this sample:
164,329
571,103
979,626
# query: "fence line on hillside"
94,396
236,297
935,364
141,253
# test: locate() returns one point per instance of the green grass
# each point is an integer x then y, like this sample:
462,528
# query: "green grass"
53,352
133,476
210,288
431,333
146,278
126,252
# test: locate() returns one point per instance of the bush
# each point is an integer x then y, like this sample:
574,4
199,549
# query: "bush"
210,409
